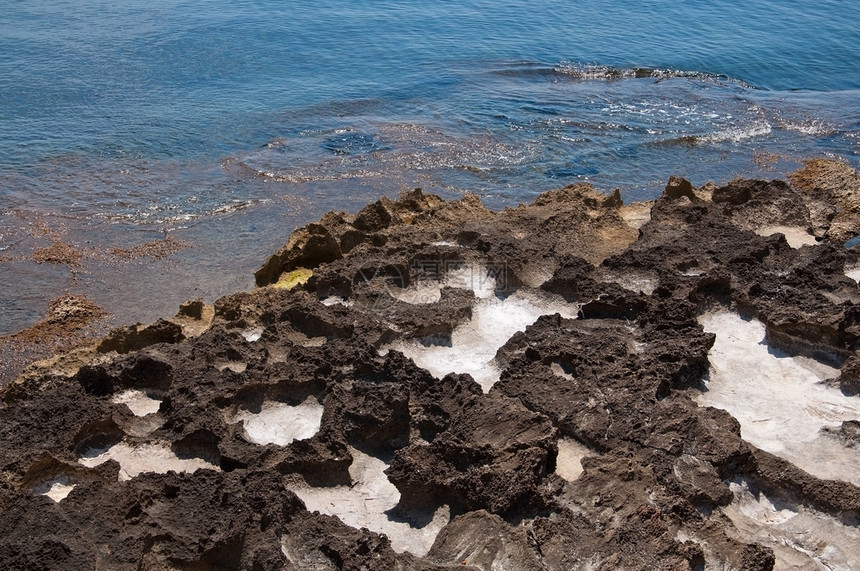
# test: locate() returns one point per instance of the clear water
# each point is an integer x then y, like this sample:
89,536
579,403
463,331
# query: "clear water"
227,123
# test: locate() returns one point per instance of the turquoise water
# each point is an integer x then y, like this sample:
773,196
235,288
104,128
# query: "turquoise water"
155,117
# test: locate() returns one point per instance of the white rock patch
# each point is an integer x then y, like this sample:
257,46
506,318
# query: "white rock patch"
135,460
472,276
138,402
570,455
365,503
800,538
473,344
252,334
794,235
779,400
336,300
56,489
280,423
853,273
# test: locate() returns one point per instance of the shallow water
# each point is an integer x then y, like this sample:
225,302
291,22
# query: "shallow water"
227,126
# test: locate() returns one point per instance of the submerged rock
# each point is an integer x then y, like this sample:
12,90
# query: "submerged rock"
522,389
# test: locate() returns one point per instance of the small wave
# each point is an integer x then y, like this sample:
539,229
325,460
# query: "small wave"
156,214
310,173
590,72
809,127
352,154
525,70
738,134
681,141
349,142
569,171
733,134
598,72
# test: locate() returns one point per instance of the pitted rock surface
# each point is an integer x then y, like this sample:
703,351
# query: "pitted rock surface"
620,380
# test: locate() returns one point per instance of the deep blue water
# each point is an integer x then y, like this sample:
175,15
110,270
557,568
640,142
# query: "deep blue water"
153,116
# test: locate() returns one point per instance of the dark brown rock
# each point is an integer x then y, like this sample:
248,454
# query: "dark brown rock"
136,337
619,381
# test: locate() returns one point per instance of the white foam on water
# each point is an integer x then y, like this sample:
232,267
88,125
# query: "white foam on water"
138,402
570,455
800,538
366,501
135,460
473,344
738,134
779,400
796,236
280,423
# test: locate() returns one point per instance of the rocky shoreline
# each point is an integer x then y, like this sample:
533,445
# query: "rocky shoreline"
434,385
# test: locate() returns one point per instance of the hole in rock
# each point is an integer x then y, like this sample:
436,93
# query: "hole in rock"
569,462
708,560
235,366
800,538
138,402
370,501
853,273
57,489
135,460
474,343
252,334
562,369
280,423
97,435
796,236
536,275
779,400
472,276
336,300
690,269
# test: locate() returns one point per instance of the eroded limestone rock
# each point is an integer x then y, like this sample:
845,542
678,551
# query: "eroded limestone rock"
588,448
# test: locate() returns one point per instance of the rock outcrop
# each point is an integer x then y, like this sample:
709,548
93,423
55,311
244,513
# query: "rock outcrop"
193,443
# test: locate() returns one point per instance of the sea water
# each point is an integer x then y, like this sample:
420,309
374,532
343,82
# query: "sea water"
225,124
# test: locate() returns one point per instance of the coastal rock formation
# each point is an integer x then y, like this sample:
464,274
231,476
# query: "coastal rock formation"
434,385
